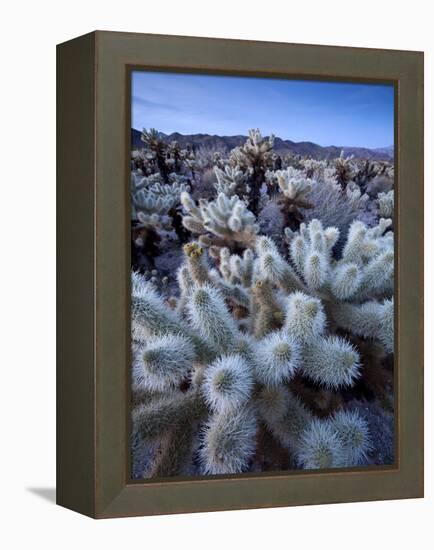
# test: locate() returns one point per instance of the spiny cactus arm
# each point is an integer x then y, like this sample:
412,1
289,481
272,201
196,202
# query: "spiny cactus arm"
230,292
363,244
331,362
345,169
244,269
151,210
150,316
273,267
229,442
353,432
294,188
256,150
380,229
185,284
354,194
211,319
154,419
228,383
141,394
164,362
236,269
294,185
231,181
171,193
345,280
197,263
385,202
174,451
370,320
223,222
305,319
319,447
377,276
230,219
353,249
297,250
283,414
277,358
311,253
266,312
193,220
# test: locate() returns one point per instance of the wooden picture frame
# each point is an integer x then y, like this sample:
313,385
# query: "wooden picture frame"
94,285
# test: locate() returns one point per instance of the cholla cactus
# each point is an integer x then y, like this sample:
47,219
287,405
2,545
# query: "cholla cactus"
237,370
154,208
224,222
168,158
171,194
345,169
261,339
365,172
353,433
385,203
313,168
254,157
348,285
231,181
158,150
228,442
355,196
150,215
236,269
319,447
208,156
374,176
294,188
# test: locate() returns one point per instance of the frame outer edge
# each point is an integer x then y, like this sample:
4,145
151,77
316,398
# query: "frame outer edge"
115,495
75,384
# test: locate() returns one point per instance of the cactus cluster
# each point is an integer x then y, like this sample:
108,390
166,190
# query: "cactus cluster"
256,350
235,370
224,222
254,158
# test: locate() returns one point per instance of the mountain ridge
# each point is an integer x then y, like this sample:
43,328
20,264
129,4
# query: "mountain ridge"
281,146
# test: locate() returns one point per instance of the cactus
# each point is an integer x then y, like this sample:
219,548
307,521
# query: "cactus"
345,169
254,158
294,188
257,339
225,222
155,208
352,431
150,216
385,203
333,205
231,181
158,150
232,367
319,447
228,442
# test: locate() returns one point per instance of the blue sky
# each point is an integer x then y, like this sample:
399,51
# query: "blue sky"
327,113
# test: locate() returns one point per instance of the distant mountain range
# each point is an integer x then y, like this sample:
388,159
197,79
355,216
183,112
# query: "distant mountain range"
281,146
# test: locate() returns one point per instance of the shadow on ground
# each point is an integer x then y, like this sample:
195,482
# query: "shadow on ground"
47,493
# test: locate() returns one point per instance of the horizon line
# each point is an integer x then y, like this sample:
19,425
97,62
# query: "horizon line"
276,136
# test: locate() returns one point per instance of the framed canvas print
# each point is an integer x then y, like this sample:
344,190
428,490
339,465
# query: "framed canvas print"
240,312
